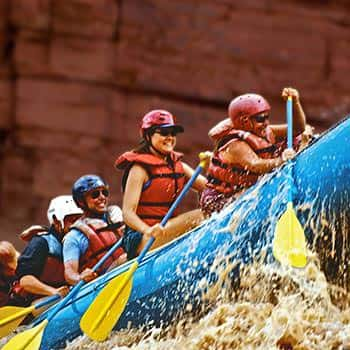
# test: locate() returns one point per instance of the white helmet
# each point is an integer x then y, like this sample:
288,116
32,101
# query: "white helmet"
62,206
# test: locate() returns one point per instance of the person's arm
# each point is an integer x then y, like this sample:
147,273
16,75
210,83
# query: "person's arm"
200,181
241,153
72,251
72,275
33,285
299,119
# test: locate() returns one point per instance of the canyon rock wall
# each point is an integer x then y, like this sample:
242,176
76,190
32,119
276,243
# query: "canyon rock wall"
76,76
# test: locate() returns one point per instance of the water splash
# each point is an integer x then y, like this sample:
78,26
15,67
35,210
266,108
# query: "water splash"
274,308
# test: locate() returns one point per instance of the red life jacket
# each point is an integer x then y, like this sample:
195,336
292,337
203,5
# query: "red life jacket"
102,237
53,272
231,178
166,180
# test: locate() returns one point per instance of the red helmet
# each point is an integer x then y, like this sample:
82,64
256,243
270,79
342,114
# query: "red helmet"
160,118
245,106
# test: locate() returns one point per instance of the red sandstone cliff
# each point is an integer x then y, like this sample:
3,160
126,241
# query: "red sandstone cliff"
77,75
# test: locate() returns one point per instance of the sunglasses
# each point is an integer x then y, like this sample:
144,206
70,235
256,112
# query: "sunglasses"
166,132
96,193
260,118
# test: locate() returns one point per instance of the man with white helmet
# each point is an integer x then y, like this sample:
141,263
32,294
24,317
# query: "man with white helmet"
40,269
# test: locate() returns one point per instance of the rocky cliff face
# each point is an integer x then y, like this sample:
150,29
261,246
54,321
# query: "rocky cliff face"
76,76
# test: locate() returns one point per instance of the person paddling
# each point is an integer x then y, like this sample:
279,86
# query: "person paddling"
40,270
246,147
90,238
154,175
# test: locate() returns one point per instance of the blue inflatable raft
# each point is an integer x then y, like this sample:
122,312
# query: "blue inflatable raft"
173,277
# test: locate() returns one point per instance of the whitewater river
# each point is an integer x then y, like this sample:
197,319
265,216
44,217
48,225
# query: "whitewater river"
273,308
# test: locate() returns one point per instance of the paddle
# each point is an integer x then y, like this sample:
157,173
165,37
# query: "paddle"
106,309
289,246
31,338
12,316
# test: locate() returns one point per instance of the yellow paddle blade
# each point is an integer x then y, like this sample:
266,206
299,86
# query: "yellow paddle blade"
11,317
27,340
105,310
289,246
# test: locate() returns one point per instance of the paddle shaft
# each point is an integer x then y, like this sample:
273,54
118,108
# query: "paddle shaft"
172,209
290,144
47,301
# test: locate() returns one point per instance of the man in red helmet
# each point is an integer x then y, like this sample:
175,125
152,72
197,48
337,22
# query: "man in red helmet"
246,147
154,176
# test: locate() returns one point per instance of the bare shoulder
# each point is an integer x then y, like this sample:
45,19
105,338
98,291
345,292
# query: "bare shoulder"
187,169
137,171
186,166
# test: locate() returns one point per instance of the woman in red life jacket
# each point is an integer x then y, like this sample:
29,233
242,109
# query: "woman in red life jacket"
246,147
90,237
8,265
154,176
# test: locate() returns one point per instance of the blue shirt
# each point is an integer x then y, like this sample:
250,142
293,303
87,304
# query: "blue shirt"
75,244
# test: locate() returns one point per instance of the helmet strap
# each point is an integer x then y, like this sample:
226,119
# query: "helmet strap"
82,204
92,214
247,122
148,138
58,226
158,152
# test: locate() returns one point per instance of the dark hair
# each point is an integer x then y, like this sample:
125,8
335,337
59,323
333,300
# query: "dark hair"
144,144
143,147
